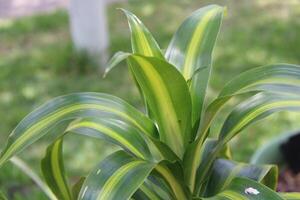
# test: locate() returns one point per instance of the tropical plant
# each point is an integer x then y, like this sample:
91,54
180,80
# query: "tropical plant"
166,151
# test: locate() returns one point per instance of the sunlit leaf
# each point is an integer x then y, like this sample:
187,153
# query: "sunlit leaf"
168,98
63,108
125,136
142,42
191,50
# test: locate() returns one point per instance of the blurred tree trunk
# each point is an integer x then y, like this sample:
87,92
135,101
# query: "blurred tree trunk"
89,28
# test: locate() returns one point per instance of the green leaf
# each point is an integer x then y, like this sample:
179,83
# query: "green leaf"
116,177
284,78
279,78
191,50
142,42
245,189
33,176
125,136
116,132
53,170
224,171
68,107
168,98
290,195
256,108
250,111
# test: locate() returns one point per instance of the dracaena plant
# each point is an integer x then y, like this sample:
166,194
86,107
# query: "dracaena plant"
166,151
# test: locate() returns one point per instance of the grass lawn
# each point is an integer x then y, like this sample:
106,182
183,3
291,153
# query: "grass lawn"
38,62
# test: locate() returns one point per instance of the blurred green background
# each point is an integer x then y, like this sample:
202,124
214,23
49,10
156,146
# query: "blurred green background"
38,62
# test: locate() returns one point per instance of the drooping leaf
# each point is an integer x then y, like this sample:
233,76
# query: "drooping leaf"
142,42
116,132
245,189
72,106
191,50
279,78
284,78
224,171
254,109
116,177
53,170
248,112
168,98
125,136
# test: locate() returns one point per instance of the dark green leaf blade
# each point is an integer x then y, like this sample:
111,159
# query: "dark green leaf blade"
191,50
116,177
168,98
53,170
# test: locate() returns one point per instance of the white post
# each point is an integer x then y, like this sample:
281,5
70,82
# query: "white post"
89,27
